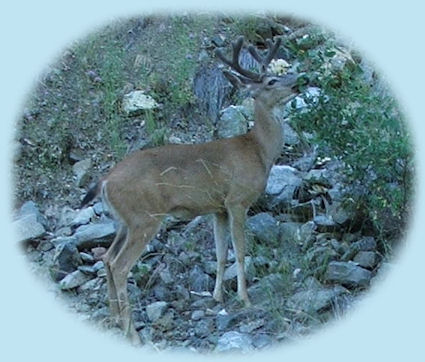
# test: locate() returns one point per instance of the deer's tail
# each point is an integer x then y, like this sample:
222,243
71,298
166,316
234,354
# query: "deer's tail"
91,194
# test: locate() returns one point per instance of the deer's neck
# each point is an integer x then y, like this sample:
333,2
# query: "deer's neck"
267,132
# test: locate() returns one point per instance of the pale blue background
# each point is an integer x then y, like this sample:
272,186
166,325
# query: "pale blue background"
388,325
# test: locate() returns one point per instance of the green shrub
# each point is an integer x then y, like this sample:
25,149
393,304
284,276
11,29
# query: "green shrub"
360,124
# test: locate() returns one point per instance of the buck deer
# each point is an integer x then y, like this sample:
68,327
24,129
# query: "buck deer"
222,177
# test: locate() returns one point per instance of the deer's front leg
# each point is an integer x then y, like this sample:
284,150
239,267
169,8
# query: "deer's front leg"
221,248
237,215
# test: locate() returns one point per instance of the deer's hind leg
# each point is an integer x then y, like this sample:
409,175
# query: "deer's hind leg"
137,238
111,254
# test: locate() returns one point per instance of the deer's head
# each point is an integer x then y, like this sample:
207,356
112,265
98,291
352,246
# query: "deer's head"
266,88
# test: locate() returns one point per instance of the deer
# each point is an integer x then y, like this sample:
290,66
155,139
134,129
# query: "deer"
223,177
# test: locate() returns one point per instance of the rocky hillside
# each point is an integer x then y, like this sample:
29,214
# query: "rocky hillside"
333,209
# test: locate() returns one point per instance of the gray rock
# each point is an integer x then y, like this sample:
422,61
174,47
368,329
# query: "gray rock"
31,208
272,284
74,280
156,310
200,281
231,271
291,231
282,177
67,214
315,299
28,227
86,258
366,259
348,274
224,319
232,122
367,243
83,217
234,341
91,235
204,328
264,227
261,340
197,315
290,137
64,240
98,208
81,171
136,102
251,326
65,260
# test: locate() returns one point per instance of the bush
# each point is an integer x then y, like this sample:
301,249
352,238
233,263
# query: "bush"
357,121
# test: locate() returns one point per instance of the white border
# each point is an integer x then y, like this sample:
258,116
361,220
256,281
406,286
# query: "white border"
388,325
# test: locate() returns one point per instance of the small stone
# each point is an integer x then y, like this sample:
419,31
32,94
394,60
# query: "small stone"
156,310
83,217
366,259
73,280
264,227
232,122
234,341
81,171
348,274
28,228
281,177
87,258
65,260
94,234
197,315
136,102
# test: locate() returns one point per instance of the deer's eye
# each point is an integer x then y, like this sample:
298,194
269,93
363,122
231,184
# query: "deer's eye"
271,82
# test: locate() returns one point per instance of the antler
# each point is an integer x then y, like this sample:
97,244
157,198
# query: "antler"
234,63
272,50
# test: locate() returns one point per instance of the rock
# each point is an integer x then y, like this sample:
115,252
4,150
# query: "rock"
325,223
31,208
290,137
63,240
367,243
231,271
98,208
200,281
65,260
156,310
87,258
83,217
282,177
218,40
366,259
74,280
67,214
291,231
315,299
234,341
27,228
204,328
261,340
251,326
348,274
136,102
272,284
232,122
81,171
91,235
264,227
197,315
